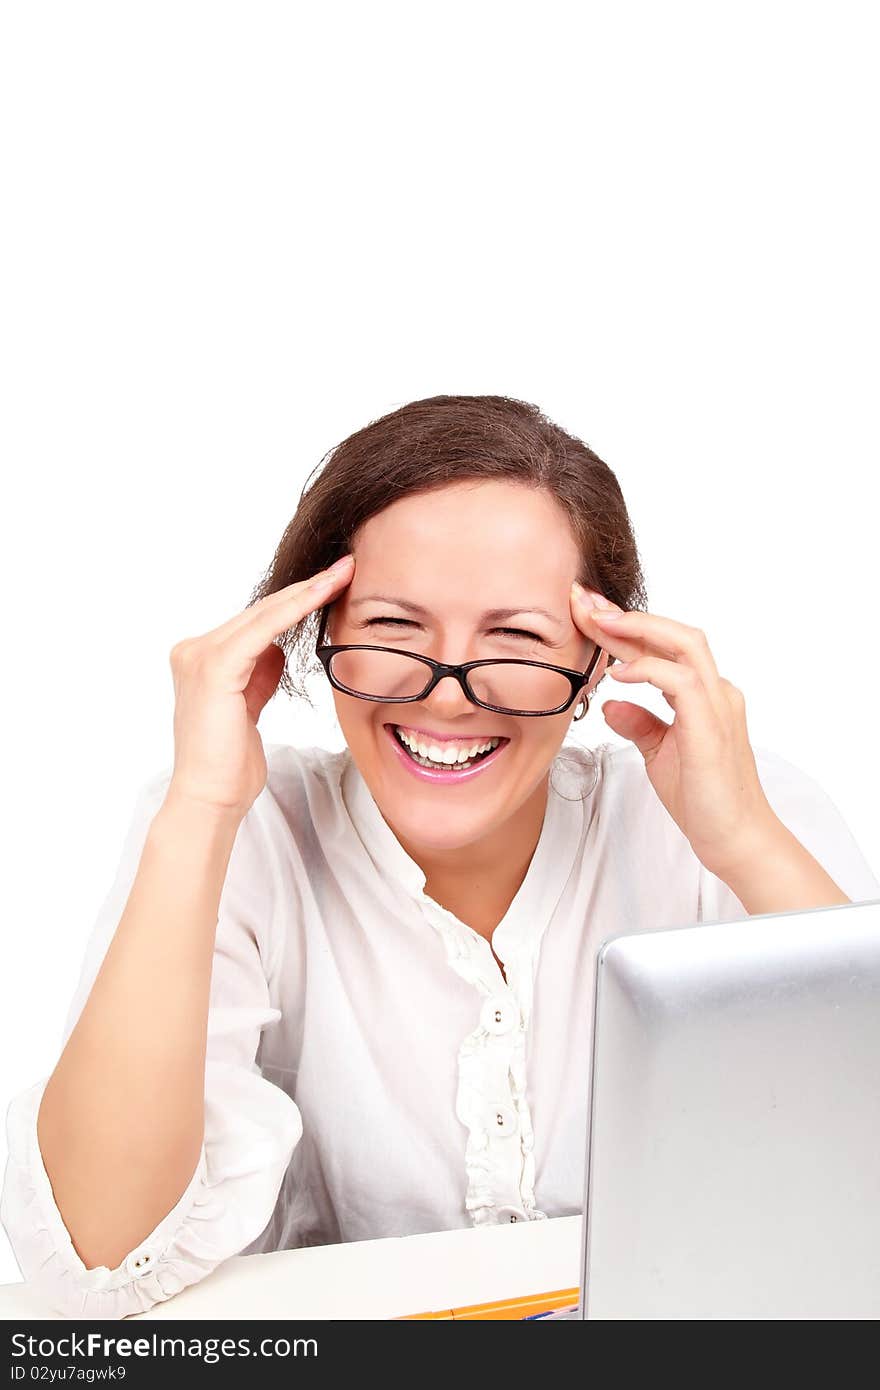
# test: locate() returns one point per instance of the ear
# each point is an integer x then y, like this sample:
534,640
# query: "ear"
599,671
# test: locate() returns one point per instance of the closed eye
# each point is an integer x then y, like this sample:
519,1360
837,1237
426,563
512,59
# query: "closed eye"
407,622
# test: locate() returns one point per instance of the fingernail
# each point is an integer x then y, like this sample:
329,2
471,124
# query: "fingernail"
597,600
339,564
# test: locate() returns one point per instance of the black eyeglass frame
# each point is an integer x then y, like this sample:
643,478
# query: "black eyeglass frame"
579,679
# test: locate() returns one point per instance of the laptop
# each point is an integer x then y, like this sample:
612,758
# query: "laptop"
734,1139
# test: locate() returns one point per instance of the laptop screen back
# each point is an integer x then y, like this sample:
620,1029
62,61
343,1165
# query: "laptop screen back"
734,1146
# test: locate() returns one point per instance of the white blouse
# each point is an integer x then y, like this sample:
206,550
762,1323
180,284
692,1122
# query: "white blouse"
370,1072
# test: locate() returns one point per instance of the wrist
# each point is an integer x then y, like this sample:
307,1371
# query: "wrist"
183,817
757,843
773,872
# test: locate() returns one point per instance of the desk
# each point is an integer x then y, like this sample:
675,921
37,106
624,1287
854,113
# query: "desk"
369,1279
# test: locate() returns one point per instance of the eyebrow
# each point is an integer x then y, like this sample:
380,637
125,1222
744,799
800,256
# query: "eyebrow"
491,615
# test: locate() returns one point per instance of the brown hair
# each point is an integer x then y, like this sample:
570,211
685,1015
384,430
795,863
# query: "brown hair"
430,444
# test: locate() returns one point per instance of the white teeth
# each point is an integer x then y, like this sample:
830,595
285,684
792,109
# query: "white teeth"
449,753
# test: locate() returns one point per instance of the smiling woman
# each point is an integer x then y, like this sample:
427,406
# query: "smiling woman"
369,974
462,513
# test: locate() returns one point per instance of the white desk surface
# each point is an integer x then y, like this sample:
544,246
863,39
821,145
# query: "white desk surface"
369,1279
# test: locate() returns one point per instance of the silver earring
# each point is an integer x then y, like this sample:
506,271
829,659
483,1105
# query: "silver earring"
582,708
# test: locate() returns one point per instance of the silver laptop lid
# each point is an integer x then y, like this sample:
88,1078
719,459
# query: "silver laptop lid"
734,1149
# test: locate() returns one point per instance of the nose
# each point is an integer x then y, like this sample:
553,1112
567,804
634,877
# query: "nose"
447,698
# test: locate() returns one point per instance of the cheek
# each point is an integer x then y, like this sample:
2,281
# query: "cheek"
353,715
546,732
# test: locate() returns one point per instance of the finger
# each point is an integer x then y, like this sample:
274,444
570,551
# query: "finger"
648,633
680,684
582,603
240,642
329,580
614,641
665,635
646,730
246,643
585,605
287,602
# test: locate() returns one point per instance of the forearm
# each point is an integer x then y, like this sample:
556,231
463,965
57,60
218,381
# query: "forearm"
778,874
121,1121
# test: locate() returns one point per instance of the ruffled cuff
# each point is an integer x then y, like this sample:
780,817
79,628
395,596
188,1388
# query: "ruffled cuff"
204,1227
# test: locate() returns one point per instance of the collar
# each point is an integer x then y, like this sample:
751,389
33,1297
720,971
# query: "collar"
562,833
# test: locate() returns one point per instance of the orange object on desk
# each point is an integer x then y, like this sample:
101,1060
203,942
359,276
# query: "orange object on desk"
527,1307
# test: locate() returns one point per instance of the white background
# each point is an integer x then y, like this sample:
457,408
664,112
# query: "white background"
234,233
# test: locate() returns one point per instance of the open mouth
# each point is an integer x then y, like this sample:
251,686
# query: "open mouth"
475,754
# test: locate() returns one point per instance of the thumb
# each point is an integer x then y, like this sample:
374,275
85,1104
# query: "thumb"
264,679
636,723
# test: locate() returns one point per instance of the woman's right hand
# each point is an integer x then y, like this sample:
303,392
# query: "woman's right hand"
222,681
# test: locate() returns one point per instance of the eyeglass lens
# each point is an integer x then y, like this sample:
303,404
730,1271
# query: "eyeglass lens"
397,676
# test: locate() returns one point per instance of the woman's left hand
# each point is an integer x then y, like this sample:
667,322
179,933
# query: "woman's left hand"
701,765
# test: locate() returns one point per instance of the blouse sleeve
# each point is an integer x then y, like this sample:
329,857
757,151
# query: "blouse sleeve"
810,814
251,1125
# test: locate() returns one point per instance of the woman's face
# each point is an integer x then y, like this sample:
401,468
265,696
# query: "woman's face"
456,553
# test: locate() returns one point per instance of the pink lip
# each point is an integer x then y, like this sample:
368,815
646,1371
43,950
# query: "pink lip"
429,775
466,737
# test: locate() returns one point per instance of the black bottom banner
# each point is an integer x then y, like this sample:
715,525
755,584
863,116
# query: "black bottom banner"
70,1353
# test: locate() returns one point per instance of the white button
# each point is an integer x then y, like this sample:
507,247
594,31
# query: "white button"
511,1214
140,1262
499,1015
502,1120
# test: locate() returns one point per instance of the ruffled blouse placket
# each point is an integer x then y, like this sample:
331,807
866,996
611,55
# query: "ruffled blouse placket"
492,1101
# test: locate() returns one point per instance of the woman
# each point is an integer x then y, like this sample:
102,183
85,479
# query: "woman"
335,996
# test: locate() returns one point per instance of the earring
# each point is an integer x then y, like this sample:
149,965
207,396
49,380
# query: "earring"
582,707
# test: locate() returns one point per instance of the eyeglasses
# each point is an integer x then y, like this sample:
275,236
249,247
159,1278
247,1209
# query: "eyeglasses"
504,685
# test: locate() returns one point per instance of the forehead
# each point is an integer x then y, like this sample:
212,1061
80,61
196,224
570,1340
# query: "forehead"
485,533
